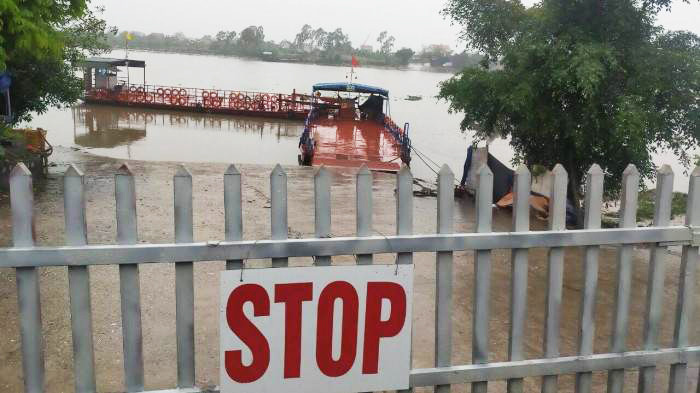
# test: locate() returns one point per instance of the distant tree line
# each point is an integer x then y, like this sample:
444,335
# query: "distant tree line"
310,45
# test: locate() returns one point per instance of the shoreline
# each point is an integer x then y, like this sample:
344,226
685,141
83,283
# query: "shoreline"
253,58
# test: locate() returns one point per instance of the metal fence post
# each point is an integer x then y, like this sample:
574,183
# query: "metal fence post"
555,273
233,211
79,283
404,216
363,206
77,256
322,209
519,267
482,275
592,205
443,275
657,273
184,284
278,209
404,209
678,380
22,203
129,286
628,219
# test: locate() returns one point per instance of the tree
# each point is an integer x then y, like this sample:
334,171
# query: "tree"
40,45
404,55
225,41
436,54
252,38
579,82
337,41
464,59
319,38
386,43
303,39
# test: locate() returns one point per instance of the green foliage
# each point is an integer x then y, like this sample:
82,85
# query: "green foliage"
404,55
40,43
537,170
310,45
579,82
386,43
251,39
646,204
6,134
436,55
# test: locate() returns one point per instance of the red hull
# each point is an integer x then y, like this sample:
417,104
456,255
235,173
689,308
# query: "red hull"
352,143
294,115
274,105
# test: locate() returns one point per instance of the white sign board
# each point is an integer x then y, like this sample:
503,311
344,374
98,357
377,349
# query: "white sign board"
316,329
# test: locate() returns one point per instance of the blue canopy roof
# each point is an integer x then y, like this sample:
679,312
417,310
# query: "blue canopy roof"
351,87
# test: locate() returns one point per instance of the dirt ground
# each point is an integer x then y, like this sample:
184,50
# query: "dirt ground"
155,215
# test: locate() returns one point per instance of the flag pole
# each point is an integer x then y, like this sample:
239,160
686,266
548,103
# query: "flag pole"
126,50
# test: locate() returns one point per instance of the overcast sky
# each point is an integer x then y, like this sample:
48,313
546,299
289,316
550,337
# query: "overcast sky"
413,23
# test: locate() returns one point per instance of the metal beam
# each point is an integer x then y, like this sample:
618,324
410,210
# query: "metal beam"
216,251
551,366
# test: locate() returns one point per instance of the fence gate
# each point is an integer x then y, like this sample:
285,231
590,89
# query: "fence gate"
77,255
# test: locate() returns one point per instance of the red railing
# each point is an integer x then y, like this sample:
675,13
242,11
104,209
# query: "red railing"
211,99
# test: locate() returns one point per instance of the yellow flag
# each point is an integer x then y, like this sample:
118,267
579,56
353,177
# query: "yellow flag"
129,37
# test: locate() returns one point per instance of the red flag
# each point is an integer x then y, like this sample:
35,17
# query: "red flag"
355,63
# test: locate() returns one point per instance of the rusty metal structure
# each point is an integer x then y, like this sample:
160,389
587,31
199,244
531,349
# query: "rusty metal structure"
103,84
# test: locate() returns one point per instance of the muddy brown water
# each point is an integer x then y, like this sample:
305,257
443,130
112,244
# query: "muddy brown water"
132,133
155,214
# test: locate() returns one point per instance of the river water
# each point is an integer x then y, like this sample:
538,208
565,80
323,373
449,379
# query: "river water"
141,134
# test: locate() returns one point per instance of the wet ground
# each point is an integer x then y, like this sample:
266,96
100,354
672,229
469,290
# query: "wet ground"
155,214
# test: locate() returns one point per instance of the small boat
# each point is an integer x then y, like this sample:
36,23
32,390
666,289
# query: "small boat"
349,125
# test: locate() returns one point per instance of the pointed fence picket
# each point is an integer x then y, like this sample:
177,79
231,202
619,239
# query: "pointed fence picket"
129,287
79,283
25,257
628,219
184,283
519,264
443,275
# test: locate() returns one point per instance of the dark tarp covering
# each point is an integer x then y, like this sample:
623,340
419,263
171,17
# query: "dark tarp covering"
351,88
502,175
373,107
502,178
5,81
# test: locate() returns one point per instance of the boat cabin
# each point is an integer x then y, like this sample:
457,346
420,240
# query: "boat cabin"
342,100
103,73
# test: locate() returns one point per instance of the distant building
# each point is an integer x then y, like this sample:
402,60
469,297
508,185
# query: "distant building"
366,48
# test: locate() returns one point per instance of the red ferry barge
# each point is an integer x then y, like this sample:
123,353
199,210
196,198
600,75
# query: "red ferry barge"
342,131
104,84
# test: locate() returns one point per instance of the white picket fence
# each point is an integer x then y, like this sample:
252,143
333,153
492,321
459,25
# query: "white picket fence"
77,255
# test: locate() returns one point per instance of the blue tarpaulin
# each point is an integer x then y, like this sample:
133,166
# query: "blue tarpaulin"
351,88
5,81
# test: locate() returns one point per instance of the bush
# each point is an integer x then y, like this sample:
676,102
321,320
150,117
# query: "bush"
646,204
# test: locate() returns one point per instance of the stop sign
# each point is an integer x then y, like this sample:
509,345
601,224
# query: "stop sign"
316,329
